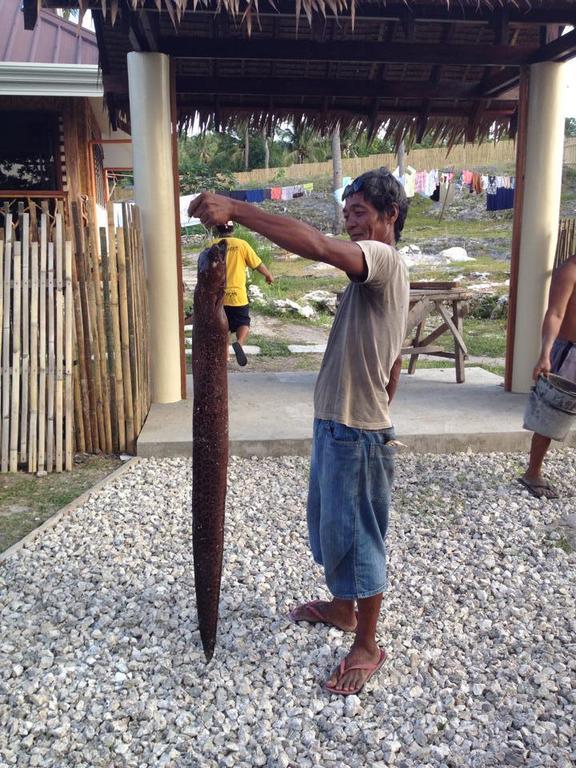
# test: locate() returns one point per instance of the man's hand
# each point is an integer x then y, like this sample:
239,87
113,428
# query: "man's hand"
543,366
212,210
269,279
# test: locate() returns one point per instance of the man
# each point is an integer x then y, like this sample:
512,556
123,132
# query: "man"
557,355
239,255
352,460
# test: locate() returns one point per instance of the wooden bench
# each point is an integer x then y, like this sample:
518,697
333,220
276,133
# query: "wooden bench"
447,301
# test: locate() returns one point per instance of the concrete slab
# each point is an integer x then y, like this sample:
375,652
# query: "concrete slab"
271,415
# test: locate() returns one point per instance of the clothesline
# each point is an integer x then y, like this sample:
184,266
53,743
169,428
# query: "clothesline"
499,189
270,193
250,196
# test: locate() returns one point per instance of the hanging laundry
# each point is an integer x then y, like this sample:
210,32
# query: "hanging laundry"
410,181
500,193
255,195
477,186
432,182
420,182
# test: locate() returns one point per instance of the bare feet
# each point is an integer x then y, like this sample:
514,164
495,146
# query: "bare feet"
355,670
334,613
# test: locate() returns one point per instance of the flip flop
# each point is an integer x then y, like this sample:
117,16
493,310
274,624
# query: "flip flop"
371,669
539,490
241,358
318,618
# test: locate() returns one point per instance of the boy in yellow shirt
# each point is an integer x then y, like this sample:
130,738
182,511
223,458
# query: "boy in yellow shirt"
239,255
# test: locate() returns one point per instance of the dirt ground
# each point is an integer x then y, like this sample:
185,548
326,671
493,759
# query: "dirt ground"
288,330
262,364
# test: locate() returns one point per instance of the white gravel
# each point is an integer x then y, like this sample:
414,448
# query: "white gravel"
100,658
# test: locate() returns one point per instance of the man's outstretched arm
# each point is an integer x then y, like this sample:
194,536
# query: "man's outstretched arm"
290,234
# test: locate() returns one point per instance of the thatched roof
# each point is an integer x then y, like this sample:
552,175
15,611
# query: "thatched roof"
249,10
411,67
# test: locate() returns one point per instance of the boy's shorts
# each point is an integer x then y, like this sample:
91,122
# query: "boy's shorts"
237,316
351,475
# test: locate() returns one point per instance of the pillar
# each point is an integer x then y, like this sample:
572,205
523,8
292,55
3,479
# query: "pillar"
149,90
540,215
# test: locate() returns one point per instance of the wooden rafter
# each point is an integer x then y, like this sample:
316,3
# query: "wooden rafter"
346,51
282,86
561,49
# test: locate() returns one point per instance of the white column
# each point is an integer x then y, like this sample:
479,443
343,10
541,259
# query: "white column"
541,211
149,88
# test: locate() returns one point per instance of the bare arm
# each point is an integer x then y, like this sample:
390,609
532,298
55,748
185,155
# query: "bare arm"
561,288
263,269
392,385
290,234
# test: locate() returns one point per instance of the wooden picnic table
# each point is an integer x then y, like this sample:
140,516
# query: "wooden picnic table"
450,303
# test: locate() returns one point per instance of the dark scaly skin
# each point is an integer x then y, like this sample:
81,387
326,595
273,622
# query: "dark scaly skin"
210,437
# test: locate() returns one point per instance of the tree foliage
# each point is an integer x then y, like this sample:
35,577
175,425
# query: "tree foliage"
212,157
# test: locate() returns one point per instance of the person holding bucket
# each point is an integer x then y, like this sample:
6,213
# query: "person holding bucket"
558,357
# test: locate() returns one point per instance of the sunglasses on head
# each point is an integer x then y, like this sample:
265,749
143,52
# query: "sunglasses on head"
351,189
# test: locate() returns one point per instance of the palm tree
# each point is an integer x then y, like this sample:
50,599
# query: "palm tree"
305,144
201,148
246,148
266,148
338,223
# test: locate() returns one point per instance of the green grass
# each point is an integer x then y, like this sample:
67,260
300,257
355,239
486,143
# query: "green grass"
422,225
564,543
294,287
485,338
498,272
26,501
497,369
270,347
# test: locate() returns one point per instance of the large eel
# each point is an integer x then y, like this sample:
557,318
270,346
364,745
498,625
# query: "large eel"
210,437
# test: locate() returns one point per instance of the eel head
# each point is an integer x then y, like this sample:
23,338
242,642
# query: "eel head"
212,268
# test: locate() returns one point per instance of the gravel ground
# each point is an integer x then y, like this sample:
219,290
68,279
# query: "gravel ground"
100,658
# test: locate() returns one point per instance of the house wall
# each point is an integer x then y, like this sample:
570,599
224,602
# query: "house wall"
77,127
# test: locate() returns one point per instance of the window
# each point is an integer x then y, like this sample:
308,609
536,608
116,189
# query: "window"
29,151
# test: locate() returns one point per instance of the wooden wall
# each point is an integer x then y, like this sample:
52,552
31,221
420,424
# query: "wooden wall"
78,128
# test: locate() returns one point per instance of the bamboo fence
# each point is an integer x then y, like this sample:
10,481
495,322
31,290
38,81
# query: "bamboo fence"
37,356
74,335
460,157
566,244
111,384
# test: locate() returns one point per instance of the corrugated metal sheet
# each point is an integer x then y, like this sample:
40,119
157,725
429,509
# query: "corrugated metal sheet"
53,41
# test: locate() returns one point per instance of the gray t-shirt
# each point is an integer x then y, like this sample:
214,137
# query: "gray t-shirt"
365,340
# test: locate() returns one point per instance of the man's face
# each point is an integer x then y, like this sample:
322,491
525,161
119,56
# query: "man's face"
364,222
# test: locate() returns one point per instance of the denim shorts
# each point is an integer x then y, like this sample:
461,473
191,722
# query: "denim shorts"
563,359
351,475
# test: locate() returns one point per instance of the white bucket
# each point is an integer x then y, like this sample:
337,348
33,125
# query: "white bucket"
551,407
